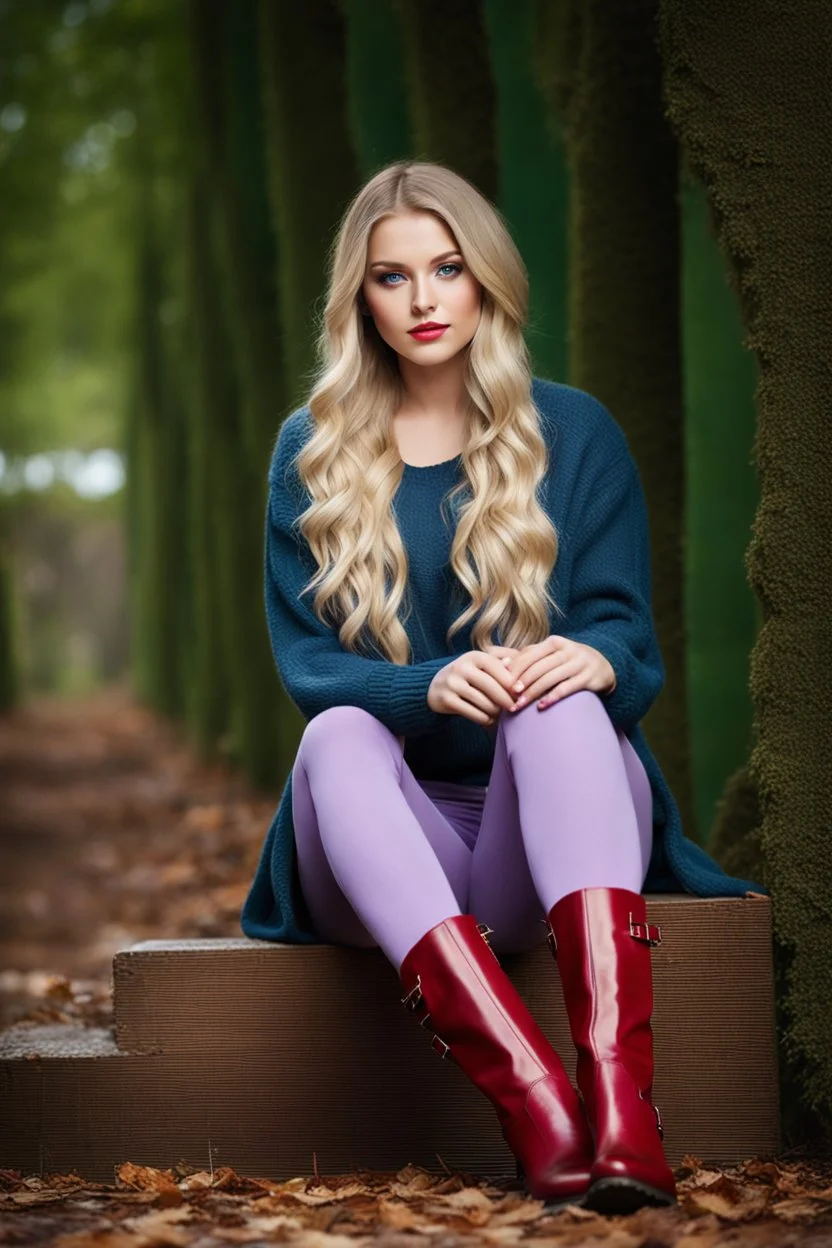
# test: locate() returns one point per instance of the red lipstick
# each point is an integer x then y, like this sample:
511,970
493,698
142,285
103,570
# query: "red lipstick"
428,331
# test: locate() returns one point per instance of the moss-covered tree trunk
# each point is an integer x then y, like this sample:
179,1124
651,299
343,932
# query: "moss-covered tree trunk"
226,69
533,180
451,91
240,318
378,115
312,167
624,330
235,399
748,92
226,510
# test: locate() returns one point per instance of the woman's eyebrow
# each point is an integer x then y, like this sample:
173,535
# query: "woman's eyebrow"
396,264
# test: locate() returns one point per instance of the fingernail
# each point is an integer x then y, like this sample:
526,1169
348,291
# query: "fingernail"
519,686
520,702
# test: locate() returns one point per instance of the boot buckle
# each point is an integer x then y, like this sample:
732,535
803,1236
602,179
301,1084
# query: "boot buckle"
659,1124
651,933
485,931
550,936
413,999
439,1045
655,1109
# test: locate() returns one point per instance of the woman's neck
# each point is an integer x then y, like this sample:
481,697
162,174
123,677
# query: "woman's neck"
436,394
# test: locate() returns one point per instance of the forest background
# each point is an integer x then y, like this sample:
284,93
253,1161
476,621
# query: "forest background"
171,176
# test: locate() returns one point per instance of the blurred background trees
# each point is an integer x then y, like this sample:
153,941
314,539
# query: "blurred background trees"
171,176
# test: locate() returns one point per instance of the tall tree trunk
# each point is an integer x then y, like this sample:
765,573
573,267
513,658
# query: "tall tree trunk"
748,92
210,395
450,87
378,116
312,166
624,323
157,492
226,69
239,249
533,180
233,424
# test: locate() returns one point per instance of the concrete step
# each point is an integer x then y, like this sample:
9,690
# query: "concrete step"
256,1055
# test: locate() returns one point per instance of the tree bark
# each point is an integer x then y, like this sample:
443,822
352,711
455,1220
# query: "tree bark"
312,166
450,88
748,94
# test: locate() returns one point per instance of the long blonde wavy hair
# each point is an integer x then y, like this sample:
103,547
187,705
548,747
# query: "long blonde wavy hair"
505,546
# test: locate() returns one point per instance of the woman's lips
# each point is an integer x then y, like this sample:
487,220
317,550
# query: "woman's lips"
428,335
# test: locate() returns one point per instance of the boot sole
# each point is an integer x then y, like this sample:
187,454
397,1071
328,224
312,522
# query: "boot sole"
612,1196
555,1205
555,1202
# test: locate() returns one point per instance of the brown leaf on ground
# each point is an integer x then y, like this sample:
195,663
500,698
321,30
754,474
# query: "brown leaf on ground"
149,1179
733,1201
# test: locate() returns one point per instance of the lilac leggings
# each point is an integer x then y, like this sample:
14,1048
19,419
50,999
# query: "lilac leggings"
384,857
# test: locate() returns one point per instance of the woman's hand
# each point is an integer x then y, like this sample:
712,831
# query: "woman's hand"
554,668
476,685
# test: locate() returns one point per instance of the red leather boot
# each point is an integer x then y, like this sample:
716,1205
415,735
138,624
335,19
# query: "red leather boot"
456,985
601,941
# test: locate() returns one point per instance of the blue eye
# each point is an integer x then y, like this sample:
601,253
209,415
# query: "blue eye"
382,281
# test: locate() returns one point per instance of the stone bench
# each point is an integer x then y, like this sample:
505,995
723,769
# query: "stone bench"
256,1055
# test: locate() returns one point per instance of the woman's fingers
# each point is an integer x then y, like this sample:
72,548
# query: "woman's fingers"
563,690
544,670
545,685
469,710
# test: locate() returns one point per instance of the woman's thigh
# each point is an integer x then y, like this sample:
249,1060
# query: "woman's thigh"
373,764
502,892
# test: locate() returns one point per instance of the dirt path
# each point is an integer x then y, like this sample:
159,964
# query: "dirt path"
111,831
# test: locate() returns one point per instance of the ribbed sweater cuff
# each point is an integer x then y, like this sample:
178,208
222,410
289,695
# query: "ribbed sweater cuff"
402,691
621,704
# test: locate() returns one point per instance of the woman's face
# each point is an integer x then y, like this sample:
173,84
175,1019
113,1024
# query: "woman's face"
415,273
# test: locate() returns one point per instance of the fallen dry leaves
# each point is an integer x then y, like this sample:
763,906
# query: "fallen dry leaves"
755,1205
113,833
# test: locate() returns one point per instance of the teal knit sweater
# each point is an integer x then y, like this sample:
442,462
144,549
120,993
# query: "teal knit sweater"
601,579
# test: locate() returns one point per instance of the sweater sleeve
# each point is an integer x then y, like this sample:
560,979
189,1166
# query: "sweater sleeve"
314,668
610,602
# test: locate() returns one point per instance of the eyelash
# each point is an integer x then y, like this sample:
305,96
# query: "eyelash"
450,264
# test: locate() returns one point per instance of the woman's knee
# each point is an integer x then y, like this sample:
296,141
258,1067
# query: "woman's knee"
338,725
580,710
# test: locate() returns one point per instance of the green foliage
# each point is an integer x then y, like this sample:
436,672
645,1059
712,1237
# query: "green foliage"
64,253
722,492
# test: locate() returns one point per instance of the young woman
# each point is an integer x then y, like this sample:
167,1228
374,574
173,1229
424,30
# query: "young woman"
474,766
